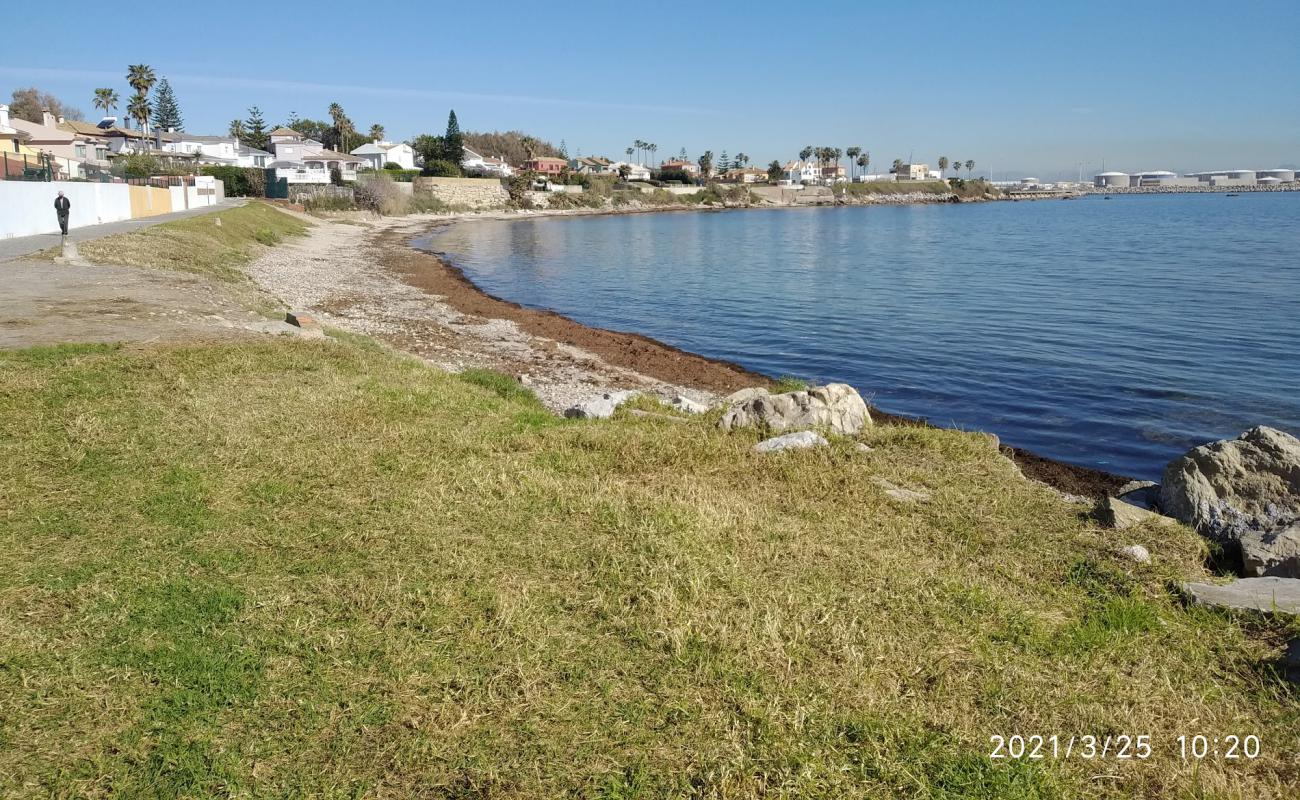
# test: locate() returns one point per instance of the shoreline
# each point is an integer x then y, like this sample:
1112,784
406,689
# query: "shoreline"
433,273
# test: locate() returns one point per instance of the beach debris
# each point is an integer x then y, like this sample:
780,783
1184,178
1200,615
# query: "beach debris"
1275,552
899,493
1117,514
1234,487
836,407
683,403
601,407
306,324
1136,553
791,441
1268,595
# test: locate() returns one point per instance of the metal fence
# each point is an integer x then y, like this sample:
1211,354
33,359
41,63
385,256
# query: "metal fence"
20,167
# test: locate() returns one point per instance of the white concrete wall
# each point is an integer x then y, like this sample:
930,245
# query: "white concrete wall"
27,207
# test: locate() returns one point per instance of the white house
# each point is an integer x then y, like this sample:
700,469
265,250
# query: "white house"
73,155
222,150
302,160
377,154
796,173
488,166
635,172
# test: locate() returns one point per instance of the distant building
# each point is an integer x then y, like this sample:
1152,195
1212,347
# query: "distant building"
377,154
1281,175
1111,180
546,165
635,172
592,165
912,172
745,175
300,160
798,173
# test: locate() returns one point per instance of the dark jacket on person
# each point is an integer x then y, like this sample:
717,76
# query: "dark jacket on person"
62,205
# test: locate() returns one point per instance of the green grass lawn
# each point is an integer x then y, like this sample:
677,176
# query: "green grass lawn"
199,244
295,569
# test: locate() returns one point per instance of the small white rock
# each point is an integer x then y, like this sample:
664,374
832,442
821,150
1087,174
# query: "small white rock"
1136,553
683,403
791,441
599,407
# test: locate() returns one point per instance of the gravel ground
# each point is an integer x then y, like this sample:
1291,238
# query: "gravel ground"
336,272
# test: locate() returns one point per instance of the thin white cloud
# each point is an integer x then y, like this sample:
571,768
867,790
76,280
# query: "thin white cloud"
344,90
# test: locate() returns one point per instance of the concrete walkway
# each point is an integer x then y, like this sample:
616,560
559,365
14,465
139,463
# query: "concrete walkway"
26,245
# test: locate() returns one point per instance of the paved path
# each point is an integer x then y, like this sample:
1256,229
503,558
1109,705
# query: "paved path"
26,245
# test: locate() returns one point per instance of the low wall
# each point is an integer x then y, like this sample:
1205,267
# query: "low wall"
27,207
471,192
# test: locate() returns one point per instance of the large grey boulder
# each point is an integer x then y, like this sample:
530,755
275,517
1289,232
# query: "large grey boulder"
743,396
601,407
791,441
836,407
1227,488
1269,595
1271,552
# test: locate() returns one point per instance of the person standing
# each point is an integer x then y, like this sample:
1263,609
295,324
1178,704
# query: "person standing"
63,208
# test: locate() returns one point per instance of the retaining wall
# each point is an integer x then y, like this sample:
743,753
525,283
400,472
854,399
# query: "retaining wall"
27,207
472,192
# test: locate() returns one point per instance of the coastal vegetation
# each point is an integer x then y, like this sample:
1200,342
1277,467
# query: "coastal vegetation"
292,568
215,245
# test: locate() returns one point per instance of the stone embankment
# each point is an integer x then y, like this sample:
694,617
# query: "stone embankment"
464,192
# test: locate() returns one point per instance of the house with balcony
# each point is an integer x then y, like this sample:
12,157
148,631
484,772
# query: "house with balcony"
635,172
377,154
546,165
219,150
300,160
798,173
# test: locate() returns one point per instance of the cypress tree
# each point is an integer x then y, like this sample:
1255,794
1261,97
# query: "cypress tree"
166,112
453,144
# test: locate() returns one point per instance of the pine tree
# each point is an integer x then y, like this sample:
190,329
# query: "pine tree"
723,164
166,112
453,143
255,130
564,150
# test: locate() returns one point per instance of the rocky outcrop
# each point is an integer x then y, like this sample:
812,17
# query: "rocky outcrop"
1274,553
1268,595
791,441
836,407
683,403
1242,493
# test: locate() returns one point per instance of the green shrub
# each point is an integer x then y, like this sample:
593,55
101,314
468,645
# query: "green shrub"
267,236
392,165
439,168
239,181
329,202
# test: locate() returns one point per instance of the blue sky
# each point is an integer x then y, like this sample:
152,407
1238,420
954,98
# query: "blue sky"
1021,87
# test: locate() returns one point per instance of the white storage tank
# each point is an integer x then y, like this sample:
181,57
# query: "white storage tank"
1283,175
1241,174
1118,180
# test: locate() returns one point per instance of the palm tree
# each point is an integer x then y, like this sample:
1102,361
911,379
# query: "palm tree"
807,153
376,132
141,78
970,165
237,129
138,109
105,99
853,153
629,152
836,154
530,147
864,161
898,164
654,148
943,166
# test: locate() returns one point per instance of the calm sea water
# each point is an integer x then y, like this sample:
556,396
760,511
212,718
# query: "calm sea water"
1110,333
